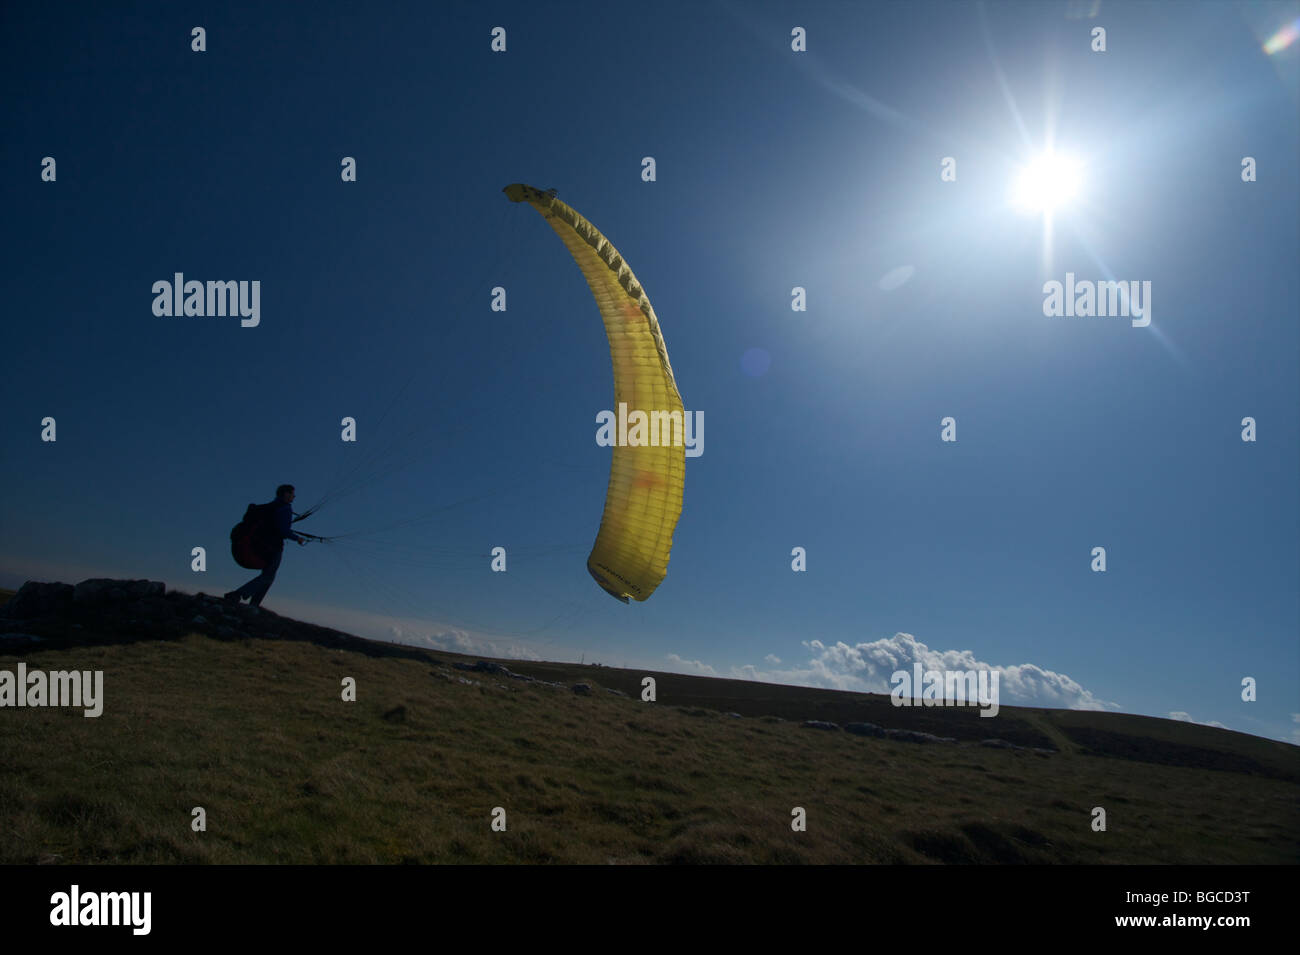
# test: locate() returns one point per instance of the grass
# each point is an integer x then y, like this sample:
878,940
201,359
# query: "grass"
255,732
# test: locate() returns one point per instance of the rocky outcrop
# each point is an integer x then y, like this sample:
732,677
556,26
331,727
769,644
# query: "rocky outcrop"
35,599
102,610
820,725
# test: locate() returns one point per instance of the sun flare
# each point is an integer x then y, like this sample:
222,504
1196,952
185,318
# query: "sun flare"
1049,182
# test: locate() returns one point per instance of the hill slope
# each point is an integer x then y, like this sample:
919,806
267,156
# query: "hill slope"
241,714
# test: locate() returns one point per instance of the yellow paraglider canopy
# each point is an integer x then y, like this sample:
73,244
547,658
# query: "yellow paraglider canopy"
644,499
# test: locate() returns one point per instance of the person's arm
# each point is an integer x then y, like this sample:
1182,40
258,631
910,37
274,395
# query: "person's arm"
285,515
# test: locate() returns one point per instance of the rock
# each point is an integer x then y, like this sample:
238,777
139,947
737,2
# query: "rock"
97,588
610,689
199,620
102,588
735,716
480,666
819,725
864,729
915,736
155,608
485,666
18,639
155,630
582,689
35,599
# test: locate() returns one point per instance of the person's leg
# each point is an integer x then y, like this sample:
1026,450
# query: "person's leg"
247,590
267,578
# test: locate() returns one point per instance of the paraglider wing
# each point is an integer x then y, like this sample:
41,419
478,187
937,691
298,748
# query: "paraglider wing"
644,499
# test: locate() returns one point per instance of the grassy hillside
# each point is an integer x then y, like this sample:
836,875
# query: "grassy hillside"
253,730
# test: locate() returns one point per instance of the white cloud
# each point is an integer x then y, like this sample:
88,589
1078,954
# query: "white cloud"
866,667
690,666
408,630
1187,718
462,641
772,658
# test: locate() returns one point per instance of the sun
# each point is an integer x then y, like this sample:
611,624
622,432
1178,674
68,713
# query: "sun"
1049,182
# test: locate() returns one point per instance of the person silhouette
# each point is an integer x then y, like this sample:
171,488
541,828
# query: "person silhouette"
275,532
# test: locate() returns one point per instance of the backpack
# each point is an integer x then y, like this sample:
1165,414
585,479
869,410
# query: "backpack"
252,540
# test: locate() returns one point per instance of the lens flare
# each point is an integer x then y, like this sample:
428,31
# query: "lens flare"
1283,38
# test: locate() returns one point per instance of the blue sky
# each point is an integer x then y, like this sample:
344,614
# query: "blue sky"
775,169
